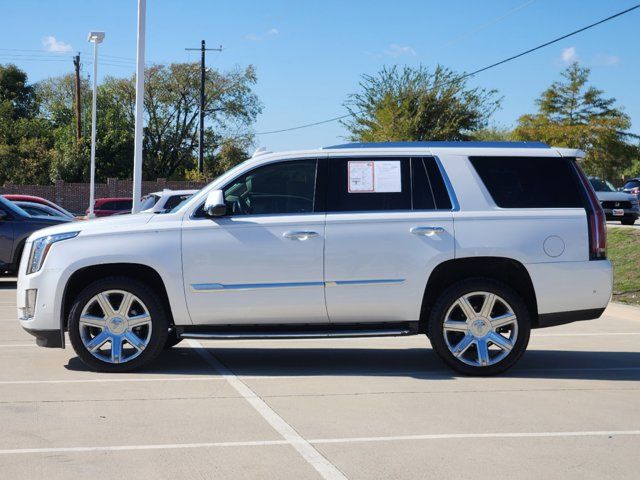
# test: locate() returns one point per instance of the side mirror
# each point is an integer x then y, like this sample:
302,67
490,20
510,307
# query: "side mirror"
214,205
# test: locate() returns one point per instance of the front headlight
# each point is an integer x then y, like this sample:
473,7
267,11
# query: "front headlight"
40,248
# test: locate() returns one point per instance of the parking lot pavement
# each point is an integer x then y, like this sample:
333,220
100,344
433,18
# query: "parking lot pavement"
354,408
612,223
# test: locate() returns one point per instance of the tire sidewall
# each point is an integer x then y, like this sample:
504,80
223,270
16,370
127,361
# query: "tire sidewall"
159,323
453,293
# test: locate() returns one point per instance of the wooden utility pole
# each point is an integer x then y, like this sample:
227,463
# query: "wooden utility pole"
76,64
203,69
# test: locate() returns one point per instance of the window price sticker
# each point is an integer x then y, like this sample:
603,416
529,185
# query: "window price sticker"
374,176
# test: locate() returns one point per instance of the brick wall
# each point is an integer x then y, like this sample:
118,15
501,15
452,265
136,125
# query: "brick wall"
75,196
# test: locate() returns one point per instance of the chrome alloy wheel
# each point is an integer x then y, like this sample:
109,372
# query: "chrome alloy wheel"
115,326
480,329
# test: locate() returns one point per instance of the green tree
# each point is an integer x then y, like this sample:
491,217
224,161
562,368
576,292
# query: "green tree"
172,105
25,140
417,104
573,114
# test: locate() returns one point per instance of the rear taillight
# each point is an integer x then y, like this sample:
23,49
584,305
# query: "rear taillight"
635,191
595,218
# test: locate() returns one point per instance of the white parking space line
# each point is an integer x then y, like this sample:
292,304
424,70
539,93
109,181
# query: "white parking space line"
109,380
585,334
395,373
449,436
321,441
312,456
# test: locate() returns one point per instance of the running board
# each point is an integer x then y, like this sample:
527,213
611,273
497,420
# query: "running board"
277,332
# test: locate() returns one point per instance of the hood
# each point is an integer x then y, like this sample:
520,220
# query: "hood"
113,224
614,197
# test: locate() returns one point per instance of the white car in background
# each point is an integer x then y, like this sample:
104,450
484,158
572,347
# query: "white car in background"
164,201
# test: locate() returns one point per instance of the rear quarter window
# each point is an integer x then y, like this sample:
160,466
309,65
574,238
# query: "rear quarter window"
530,182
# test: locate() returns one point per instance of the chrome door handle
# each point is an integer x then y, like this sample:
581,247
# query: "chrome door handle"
426,231
300,235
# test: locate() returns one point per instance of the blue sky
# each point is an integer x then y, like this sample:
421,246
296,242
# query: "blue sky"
309,55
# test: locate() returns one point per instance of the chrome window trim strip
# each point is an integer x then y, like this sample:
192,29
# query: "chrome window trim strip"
219,287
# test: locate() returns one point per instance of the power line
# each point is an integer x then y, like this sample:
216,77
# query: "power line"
203,50
475,72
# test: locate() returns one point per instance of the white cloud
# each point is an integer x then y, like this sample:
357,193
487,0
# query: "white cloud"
607,60
569,55
396,50
254,37
52,44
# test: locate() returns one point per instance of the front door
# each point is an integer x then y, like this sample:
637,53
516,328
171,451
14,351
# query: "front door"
389,223
263,262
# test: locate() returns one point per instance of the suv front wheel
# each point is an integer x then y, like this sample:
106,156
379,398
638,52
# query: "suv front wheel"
479,327
117,324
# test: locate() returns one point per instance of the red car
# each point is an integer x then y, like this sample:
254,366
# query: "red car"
103,207
14,197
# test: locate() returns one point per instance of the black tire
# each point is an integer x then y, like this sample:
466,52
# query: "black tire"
628,221
159,323
448,298
172,339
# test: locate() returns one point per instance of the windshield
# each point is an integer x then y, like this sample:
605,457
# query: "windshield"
601,185
179,206
229,173
149,201
632,184
12,207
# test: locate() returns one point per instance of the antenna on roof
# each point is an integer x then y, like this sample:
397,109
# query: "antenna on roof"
260,151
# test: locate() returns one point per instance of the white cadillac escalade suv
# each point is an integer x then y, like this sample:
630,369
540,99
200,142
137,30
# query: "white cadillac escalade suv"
473,244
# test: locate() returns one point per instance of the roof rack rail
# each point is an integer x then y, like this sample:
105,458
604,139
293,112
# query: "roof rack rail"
441,144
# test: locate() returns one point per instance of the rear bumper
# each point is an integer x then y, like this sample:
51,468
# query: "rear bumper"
568,288
560,318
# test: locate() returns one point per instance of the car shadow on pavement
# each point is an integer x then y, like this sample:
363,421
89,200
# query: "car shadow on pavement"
421,363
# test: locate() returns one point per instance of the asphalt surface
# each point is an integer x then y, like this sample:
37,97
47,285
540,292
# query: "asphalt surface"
354,408
612,223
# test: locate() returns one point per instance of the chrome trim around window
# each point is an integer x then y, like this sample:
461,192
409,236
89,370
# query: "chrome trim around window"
220,287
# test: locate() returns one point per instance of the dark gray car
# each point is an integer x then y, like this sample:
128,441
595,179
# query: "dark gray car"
15,226
617,206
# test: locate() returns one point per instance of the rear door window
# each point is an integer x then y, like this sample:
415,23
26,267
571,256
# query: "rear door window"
368,184
530,182
108,206
429,190
407,184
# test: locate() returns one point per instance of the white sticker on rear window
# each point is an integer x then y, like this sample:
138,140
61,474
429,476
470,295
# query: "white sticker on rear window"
360,177
374,176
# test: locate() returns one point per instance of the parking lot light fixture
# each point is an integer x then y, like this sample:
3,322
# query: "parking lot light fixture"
96,38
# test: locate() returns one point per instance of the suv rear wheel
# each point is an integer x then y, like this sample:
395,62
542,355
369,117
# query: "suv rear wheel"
479,327
117,324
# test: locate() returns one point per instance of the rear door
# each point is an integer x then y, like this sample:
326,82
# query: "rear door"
389,223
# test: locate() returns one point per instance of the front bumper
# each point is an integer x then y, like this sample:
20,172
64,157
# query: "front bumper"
47,338
43,322
628,214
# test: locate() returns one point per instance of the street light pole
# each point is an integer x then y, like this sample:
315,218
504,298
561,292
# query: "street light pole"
96,38
139,112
